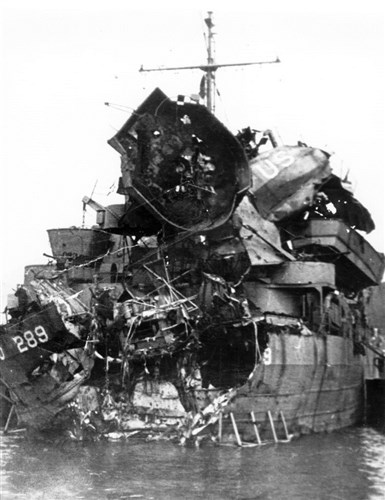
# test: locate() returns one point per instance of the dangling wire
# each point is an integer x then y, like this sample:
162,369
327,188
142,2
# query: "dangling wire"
120,107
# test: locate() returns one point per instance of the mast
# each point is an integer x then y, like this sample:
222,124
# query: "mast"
210,73
210,67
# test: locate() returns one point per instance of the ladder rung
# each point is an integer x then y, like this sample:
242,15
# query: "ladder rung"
235,429
255,428
284,424
272,426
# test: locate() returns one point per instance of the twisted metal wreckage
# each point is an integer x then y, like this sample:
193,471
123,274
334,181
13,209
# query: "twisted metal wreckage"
220,300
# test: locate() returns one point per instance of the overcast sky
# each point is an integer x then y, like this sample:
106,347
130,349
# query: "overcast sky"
62,60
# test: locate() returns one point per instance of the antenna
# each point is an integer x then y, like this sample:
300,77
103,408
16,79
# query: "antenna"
210,72
208,87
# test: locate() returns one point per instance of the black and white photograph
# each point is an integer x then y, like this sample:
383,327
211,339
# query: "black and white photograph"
192,300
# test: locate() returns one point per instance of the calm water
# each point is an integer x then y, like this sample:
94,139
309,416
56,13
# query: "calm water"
349,464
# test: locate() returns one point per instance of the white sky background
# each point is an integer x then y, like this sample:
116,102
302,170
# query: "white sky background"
62,60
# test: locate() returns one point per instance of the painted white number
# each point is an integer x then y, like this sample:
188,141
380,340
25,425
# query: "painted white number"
2,356
41,334
30,339
267,356
20,343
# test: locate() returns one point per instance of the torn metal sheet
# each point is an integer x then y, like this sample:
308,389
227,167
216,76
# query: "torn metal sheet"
286,180
347,207
260,237
40,362
181,163
208,308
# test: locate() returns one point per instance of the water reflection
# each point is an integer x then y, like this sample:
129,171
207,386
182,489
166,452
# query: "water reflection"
348,464
373,458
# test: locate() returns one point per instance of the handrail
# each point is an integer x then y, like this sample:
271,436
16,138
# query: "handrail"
379,353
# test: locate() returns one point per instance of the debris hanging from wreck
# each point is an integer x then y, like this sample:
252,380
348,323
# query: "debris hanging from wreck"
221,300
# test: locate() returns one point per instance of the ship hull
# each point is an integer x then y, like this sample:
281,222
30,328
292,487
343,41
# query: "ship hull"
312,384
296,382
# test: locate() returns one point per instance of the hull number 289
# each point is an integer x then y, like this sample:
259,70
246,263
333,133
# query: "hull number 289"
28,340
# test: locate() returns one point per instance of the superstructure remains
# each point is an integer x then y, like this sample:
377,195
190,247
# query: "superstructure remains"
221,298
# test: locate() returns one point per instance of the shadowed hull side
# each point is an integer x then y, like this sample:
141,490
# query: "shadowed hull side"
316,382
